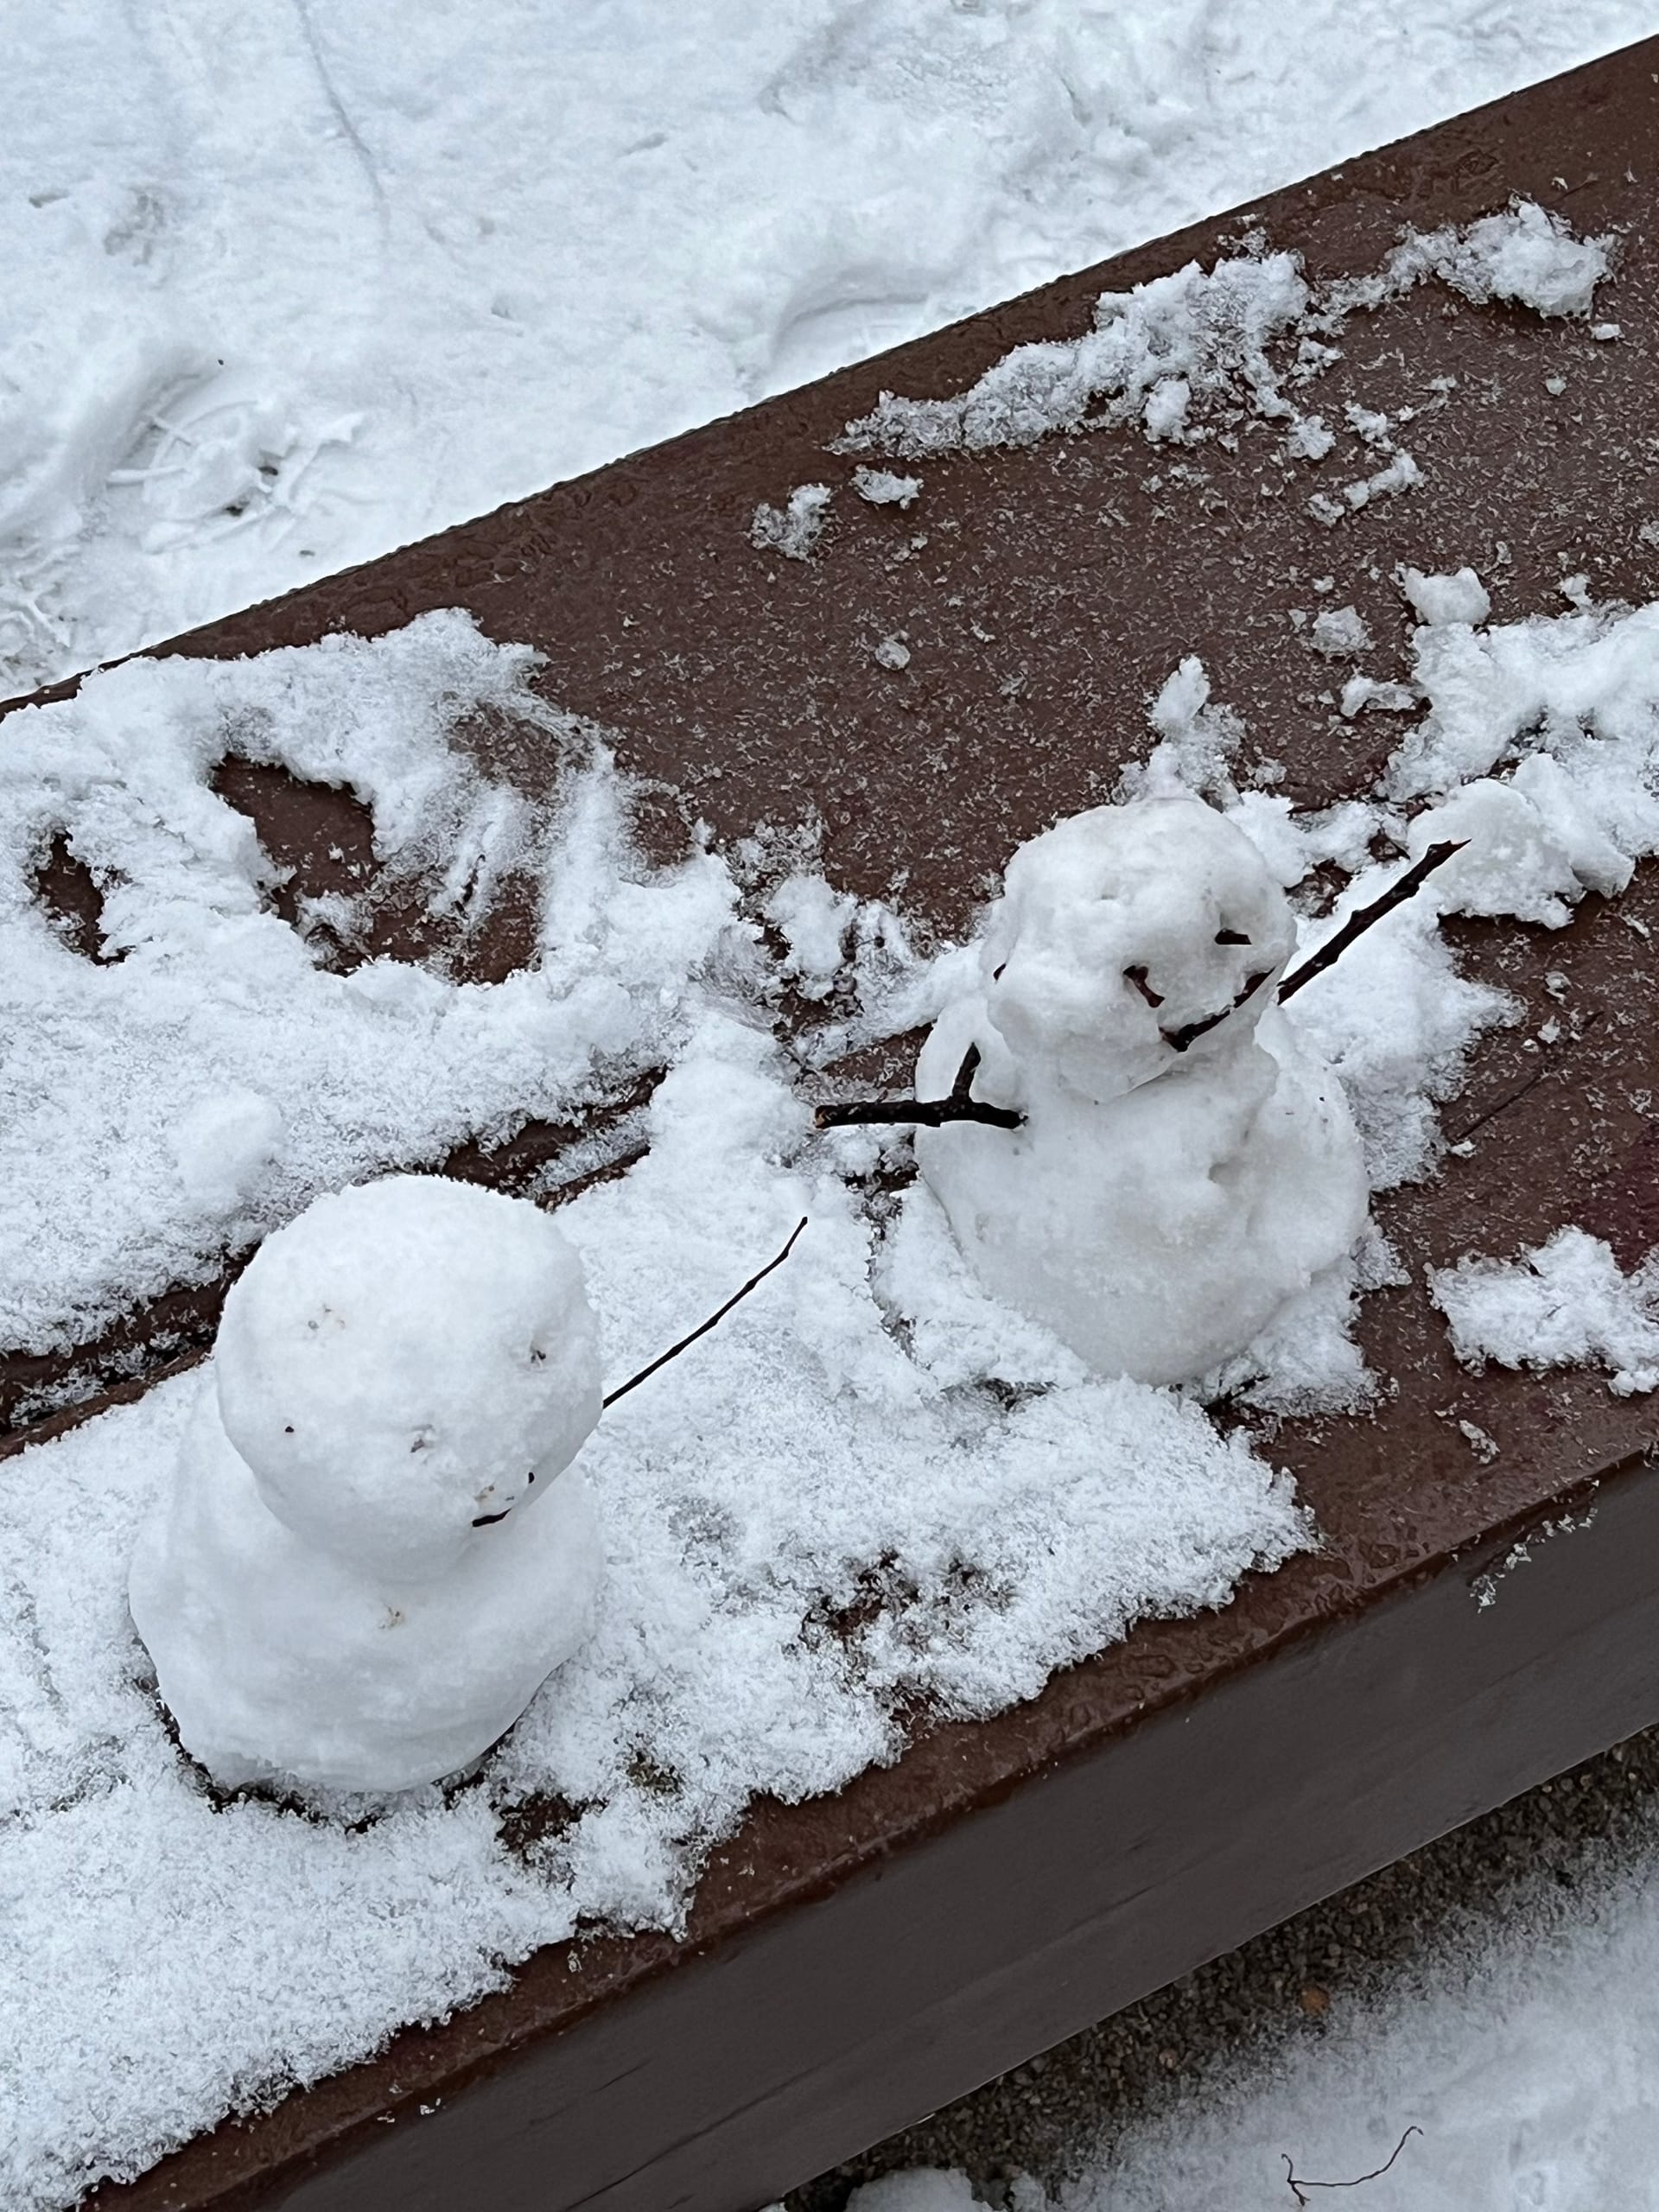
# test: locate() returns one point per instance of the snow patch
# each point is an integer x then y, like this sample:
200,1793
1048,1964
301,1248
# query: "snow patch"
1566,1303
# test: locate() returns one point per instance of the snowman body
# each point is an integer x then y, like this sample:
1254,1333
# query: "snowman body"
1185,1165
375,1549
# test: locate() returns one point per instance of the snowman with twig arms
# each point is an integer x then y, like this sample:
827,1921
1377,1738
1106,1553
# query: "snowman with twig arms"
1133,1144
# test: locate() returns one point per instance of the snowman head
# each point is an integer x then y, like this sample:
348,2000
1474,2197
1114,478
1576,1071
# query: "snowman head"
407,1365
1131,940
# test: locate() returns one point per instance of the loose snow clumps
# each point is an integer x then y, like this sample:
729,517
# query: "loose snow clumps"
1568,1303
1526,255
1153,352
346,1587
1185,1166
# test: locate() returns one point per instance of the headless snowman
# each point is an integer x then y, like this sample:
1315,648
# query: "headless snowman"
375,1548
1185,1165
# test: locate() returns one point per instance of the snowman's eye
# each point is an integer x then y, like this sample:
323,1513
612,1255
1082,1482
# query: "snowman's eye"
1138,977
1231,936
997,974
538,1354
530,1477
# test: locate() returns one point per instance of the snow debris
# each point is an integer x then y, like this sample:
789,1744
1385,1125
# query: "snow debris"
1174,350
1400,474
1567,1303
1572,701
893,653
1527,255
924,2189
1486,1587
1603,332
1197,742
1339,631
1441,600
1360,692
813,921
1309,439
795,529
883,489
1195,336
233,1076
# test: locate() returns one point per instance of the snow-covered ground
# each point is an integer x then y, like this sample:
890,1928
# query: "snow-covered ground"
1525,2053
288,285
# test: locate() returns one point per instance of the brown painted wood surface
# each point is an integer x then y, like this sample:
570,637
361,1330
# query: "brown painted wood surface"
852,1962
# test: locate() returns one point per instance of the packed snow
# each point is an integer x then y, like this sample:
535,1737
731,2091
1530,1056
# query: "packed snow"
374,1551
1183,1165
288,287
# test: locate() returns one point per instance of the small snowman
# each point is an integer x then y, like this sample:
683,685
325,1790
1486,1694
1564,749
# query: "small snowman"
1182,1164
375,1548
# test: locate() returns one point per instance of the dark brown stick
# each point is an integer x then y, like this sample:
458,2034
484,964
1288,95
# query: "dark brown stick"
714,1320
1355,925
925,1113
1297,2184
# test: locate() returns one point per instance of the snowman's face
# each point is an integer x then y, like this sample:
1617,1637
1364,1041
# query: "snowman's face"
1131,940
406,1367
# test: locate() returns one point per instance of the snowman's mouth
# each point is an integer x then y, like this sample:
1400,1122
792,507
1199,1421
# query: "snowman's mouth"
489,1520
1190,1032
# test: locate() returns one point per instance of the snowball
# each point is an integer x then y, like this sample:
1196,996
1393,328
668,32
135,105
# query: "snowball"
348,1584
794,530
223,1144
1458,597
1183,1165
883,489
1566,1303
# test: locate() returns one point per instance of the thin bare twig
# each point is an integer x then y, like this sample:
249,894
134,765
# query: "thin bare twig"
1355,925
1297,2184
714,1321
925,1113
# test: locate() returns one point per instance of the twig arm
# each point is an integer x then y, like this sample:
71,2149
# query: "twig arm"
1398,891
714,1321
960,1105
